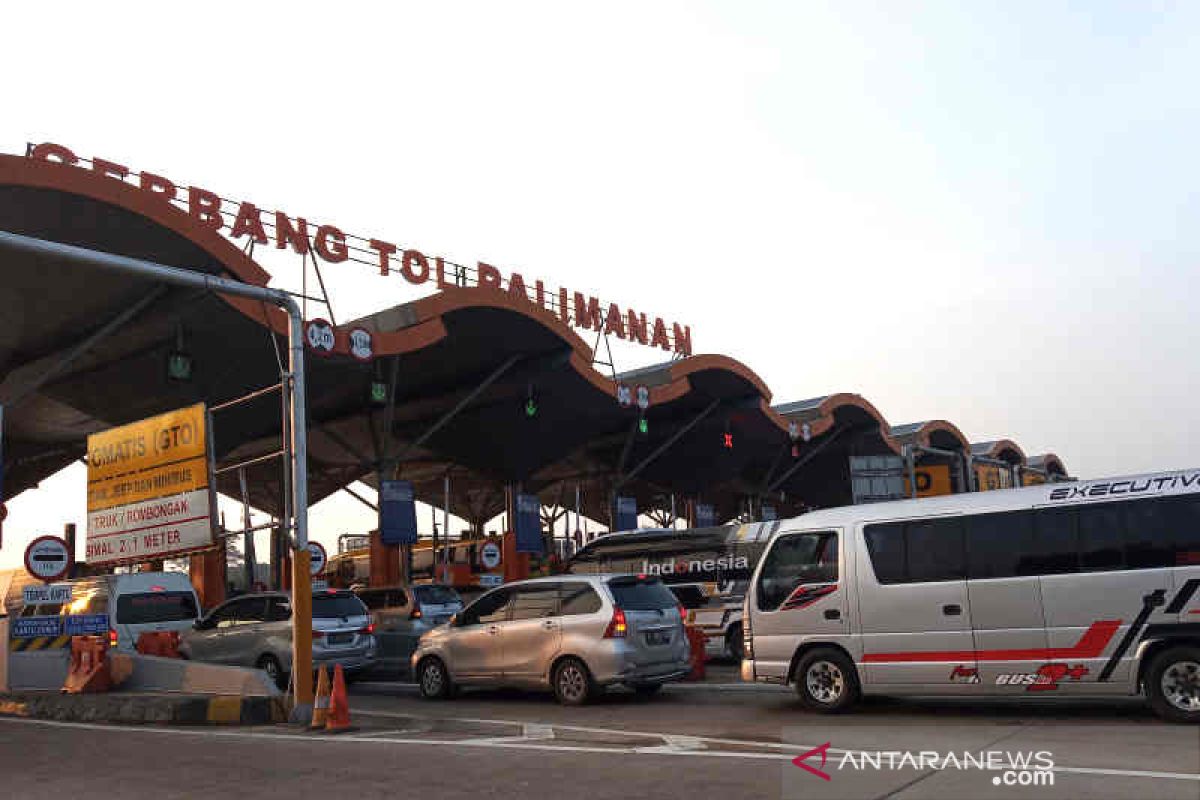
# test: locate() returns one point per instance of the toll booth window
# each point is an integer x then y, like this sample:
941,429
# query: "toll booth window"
142,609
579,598
796,560
535,602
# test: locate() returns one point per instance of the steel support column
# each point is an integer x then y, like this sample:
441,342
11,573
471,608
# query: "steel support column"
149,270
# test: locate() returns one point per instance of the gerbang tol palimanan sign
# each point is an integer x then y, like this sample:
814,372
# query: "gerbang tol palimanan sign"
244,220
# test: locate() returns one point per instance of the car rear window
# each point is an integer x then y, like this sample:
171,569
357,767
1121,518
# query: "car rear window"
641,594
435,595
373,600
150,607
337,605
690,596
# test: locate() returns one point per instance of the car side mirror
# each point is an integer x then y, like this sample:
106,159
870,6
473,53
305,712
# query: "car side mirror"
454,623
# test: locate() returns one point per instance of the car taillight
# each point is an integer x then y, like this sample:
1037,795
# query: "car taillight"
112,638
682,612
318,634
416,614
369,629
616,626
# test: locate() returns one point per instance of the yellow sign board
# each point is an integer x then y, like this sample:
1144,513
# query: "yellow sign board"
933,480
991,476
149,488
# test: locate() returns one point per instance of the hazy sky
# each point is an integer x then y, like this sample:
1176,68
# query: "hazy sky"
983,212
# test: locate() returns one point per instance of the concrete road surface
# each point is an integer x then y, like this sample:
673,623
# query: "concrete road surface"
689,742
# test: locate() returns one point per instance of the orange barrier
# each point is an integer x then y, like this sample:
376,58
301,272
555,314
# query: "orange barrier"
89,666
696,640
339,706
321,701
162,643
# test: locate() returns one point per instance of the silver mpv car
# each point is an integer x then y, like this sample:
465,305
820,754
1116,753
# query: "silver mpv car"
255,630
575,634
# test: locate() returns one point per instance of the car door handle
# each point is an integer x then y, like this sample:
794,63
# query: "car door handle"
549,624
833,613
952,609
493,629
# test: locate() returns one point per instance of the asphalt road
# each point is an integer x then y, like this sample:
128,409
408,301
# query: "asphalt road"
689,742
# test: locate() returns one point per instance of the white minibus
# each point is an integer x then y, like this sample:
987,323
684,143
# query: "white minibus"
1080,588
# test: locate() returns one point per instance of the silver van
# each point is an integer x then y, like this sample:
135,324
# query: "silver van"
410,609
135,603
575,634
1083,588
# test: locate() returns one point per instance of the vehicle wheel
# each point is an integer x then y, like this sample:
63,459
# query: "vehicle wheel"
735,643
647,689
270,665
573,683
433,679
826,681
1173,684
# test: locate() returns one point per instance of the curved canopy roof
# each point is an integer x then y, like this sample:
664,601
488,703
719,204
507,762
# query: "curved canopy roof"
464,363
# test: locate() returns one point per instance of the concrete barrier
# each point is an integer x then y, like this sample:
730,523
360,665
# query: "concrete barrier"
42,670
47,670
155,674
134,707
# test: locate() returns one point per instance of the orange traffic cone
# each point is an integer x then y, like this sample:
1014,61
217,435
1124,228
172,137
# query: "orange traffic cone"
321,701
339,706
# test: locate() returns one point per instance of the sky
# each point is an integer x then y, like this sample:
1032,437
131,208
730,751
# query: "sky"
974,211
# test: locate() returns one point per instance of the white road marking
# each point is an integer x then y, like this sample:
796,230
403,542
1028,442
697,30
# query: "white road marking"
684,742
532,730
514,743
374,734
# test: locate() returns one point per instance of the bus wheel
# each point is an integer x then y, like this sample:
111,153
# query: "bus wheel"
826,681
1173,684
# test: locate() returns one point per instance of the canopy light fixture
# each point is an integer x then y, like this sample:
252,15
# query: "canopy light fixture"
179,361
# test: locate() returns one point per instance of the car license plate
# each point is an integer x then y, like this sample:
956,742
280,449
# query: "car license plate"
657,637
339,638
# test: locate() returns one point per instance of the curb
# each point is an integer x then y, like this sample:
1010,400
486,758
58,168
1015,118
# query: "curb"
146,708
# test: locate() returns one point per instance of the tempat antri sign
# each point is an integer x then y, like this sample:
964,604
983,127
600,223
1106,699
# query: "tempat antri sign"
150,489
245,221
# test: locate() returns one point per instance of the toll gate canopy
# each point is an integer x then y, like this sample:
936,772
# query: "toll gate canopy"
478,383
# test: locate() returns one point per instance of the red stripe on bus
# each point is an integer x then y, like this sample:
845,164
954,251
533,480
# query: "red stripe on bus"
1090,645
